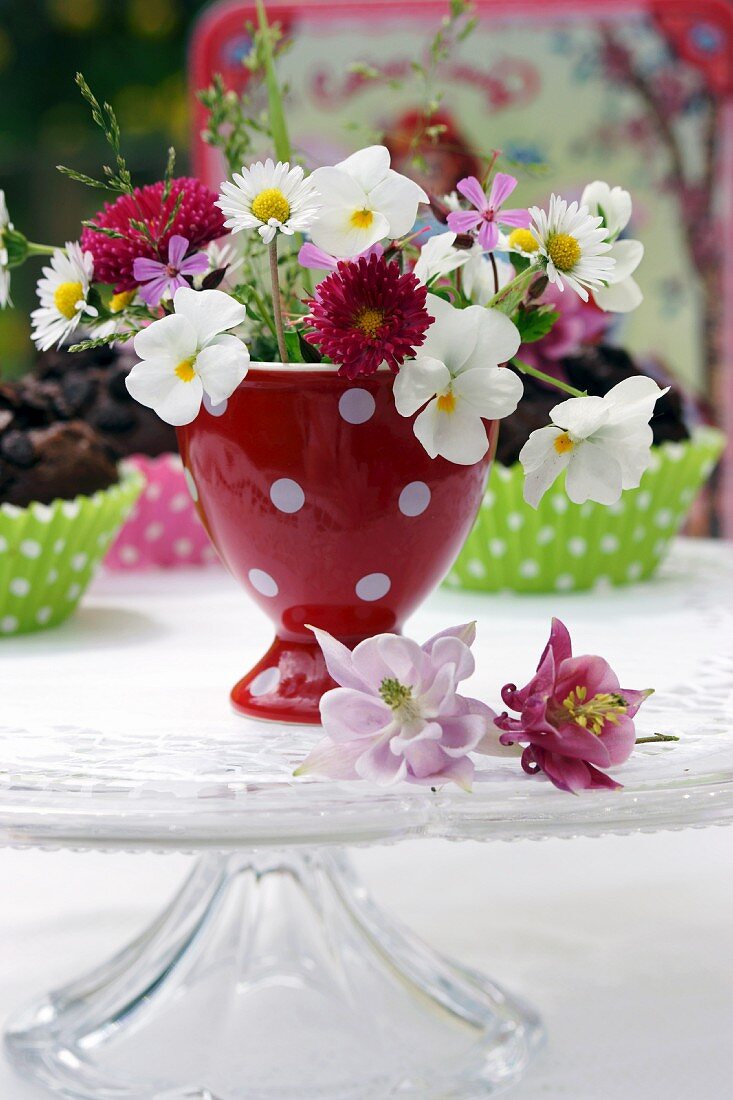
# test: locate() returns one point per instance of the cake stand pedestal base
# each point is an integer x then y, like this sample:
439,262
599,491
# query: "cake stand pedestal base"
272,976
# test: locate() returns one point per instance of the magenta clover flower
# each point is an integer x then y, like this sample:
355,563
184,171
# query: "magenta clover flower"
487,215
159,280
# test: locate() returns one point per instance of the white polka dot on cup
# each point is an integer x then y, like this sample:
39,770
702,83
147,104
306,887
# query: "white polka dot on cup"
356,406
129,555
43,615
154,531
183,548
215,409
8,624
287,495
179,502
414,498
265,682
263,583
19,586
373,587
29,548
79,562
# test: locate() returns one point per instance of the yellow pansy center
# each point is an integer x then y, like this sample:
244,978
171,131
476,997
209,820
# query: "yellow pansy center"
523,239
446,402
563,443
119,301
593,713
564,251
65,297
271,203
362,219
369,321
185,370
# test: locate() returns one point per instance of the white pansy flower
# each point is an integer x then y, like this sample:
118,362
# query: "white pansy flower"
604,444
271,198
613,205
5,223
572,246
458,380
477,277
438,257
62,291
188,354
363,201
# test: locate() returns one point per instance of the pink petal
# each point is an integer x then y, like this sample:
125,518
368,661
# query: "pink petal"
559,642
425,758
332,761
592,673
501,189
144,269
177,248
634,699
347,714
574,741
519,218
567,774
488,236
194,265
458,771
619,740
153,291
465,633
338,661
600,781
462,221
451,651
380,765
471,189
315,258
462,733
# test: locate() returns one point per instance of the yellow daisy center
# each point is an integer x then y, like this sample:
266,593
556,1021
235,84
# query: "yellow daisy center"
65,297
185,370
369,321
524,239
118,301
446,402
362,219
564,251
563,443
593,713
271,203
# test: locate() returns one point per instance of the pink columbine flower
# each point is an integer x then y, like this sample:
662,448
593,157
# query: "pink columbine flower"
397,714
159,280
488,214
574,716
316,259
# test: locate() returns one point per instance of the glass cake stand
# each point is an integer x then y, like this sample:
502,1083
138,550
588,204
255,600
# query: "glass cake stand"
272,975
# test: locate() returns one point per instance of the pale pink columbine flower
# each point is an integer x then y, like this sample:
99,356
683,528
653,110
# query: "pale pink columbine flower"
488,214
159,280
397,714
574,716
314,258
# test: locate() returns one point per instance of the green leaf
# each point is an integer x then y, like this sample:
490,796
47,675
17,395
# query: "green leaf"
534,322
292,343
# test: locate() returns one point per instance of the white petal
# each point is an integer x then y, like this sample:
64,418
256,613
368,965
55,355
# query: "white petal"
397,197
454,333
542,463
459,436
171,338
222,365
497,339
335,233
209,312
614,203
623,297
155,384
632,400
417,381
338,189
593,474
581,416
493,392
367,166
627,256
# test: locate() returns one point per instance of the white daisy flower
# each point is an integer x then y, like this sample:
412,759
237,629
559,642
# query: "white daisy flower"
5,223
62,291
604,443
458,380
363,201
438,257
271,198
188,354
572,246
613,205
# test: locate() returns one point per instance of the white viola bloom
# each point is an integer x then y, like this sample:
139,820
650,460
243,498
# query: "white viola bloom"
438,257
572,246
5,223
363,201
188,354
62,291
457,382
271,198
604,444
613,205
477,277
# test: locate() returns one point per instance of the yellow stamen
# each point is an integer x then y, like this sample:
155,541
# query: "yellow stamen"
118,301
369,321
361,219
446,402
65,297
564,251
524,239
563,443
185,370
593,714
271,203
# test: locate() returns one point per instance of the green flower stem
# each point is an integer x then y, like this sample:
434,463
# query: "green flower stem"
514,290
656,738
525,368
278,125
41,249
277,304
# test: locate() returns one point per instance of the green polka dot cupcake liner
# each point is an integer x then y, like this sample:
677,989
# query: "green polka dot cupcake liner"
49,552
563,546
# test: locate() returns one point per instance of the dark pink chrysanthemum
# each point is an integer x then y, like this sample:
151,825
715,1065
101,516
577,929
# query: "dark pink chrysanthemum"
366,314
198,220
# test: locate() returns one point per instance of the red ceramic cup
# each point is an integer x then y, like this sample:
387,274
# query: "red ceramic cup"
321,501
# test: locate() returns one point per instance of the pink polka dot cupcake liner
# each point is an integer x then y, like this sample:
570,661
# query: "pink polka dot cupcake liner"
163,531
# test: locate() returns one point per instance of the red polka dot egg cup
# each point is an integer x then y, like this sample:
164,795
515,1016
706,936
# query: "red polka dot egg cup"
327,509
163,531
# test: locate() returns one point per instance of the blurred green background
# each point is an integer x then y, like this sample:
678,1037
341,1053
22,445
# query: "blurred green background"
132,52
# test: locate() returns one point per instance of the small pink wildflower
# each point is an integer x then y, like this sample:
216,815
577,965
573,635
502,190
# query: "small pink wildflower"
158,280
487,215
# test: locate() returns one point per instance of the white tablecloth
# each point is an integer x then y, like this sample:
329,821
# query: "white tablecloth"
625,944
